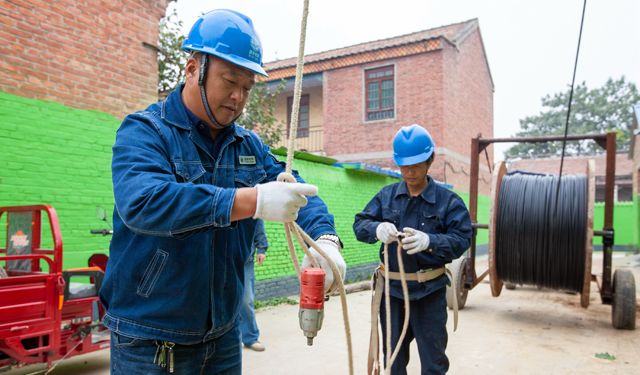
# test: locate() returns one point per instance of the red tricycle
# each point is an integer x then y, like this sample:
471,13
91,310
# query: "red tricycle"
44,316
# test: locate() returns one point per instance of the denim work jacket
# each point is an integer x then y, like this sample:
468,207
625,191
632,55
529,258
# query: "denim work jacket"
436,211
176,266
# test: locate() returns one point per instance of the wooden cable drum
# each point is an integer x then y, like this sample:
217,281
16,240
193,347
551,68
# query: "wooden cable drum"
533,242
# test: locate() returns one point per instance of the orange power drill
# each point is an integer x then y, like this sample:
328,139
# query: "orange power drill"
311,302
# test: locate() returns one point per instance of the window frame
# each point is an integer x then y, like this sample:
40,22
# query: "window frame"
365,90
290,107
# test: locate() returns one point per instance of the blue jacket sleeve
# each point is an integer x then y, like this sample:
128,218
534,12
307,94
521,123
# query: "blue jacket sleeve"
367,221
314,218
260,239
456,238
149,199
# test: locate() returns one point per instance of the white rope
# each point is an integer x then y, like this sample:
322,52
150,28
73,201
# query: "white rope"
387,302
300,235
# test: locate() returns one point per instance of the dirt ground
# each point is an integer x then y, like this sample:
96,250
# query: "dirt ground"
524,331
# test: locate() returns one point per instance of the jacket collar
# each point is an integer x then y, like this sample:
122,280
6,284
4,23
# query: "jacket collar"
428,194
173,111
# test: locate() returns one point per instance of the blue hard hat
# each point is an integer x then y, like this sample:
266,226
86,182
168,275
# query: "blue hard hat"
229,35
412,145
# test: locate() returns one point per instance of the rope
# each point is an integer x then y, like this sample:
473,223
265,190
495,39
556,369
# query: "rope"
387,302
287,176
298,88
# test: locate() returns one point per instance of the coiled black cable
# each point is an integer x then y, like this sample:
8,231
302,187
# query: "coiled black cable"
528,250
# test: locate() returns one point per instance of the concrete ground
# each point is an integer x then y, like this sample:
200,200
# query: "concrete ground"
524,331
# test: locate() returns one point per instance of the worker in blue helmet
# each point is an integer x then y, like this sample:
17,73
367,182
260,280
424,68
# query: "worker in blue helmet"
189,186
434,227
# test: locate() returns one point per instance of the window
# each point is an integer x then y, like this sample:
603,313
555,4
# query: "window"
303,115
380,96
622,190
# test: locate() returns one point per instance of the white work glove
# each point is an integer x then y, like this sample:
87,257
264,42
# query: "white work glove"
416,241
332,250
386,232
281,201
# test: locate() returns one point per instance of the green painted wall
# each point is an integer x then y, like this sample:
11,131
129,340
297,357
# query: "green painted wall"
346,194
52,154
636,220
624,222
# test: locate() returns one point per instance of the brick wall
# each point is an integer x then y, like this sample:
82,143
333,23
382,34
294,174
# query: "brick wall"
85,54
468,95
418,81
573,165
448,91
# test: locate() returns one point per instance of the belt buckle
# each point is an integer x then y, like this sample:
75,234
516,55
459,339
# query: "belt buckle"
420,272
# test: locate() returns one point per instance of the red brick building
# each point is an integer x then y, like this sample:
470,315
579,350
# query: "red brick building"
87,54
356,98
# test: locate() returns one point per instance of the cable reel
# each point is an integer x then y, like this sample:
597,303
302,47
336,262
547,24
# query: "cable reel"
529,243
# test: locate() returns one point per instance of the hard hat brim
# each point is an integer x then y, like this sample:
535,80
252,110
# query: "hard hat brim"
237,60
411,160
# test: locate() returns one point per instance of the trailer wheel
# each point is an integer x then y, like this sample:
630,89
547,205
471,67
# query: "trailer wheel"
457,269
623,307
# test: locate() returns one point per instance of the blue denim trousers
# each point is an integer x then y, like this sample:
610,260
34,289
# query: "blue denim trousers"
427,325
220,356
248,326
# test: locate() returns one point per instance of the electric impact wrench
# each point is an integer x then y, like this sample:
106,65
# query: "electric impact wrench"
311,302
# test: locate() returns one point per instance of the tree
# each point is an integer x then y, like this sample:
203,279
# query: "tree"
604,109
171,59
258,112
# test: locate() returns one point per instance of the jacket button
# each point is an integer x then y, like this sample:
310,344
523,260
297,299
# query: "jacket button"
249,179
186,176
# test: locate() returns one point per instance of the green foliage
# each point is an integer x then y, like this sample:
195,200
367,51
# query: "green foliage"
604,109
258,113
606,356
273,302
171,60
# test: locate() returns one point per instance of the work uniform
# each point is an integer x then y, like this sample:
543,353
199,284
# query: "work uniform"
441,214
176,266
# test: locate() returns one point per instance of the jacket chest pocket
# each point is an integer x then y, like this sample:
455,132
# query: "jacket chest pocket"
249,177
188,172
431,223
392,216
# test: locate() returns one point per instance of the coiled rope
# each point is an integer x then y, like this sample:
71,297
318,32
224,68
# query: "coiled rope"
531,247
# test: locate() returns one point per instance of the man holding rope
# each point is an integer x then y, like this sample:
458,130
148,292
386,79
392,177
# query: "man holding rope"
436,229
188,184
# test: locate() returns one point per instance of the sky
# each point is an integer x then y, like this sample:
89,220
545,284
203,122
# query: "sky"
530,45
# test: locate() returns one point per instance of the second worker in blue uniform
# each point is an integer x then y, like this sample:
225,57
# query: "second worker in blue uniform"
438,230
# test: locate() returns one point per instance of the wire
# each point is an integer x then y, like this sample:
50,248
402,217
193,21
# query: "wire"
460,171
527,253
566,125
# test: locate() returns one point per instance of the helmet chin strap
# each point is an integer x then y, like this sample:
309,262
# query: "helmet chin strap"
201,81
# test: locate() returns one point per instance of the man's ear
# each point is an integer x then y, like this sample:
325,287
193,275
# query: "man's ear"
192,70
